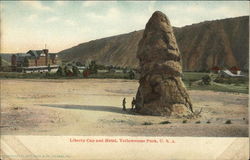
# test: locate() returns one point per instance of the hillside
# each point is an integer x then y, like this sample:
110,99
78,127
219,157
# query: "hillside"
203,45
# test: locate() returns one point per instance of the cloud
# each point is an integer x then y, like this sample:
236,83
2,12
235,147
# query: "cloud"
32,17
112,14
70,22
189,9
1,6
97,19
228,12
151,6
89,3
37,5
60,3
52,19
194,9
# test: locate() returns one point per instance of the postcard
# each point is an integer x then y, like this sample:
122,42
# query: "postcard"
92,80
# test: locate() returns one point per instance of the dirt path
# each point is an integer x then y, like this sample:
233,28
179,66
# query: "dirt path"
93,107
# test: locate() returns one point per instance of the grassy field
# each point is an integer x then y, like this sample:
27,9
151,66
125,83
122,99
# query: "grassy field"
231,85
236,88
193,76
36,75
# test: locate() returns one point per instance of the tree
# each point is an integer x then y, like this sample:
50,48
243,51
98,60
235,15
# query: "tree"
59,71
131,74
0,61
93,67
85,73
206,80
66,70
124,70
79,64
49,68
76,71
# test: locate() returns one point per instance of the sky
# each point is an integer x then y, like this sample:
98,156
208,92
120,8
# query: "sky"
60,25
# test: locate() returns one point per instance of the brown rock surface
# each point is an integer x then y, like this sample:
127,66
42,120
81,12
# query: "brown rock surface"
161,91
203,45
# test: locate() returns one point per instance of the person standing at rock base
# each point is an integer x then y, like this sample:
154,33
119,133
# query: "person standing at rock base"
124,104
133,103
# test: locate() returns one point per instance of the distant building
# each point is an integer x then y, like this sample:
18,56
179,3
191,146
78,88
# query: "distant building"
235,70
227,73
33,59
216,69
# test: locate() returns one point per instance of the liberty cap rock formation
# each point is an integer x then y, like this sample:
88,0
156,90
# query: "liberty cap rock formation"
161,90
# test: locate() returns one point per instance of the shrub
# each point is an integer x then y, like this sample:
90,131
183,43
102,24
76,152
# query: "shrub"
59,71
165,122
206,80
228,122
147,123
75,70
131,75
184,121
93,67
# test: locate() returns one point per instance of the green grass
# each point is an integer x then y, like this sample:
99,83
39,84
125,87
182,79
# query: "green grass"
20,75
236,86
242,88
193,76
36,75
110,75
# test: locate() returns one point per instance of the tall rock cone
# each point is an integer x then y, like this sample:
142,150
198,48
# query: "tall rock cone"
161,90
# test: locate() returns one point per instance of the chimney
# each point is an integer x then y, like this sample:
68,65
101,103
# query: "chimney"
46,52
13,60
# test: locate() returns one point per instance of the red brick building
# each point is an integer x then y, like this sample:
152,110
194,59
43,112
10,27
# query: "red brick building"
34,58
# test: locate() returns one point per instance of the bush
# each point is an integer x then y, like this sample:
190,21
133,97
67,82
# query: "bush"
165,122
131,75
206,80
75,70
147,123
228,122
184,121
59,71
93,67
85,73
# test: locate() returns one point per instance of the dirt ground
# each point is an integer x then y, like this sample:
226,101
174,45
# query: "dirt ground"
93,107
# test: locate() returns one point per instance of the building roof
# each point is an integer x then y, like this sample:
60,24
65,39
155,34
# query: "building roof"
234,69
32,54
35,53
21,56
216,68
230,74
